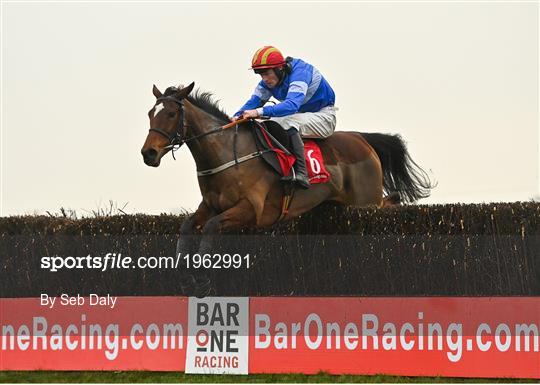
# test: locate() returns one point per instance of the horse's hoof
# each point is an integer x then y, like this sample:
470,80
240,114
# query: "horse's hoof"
187,284
203,286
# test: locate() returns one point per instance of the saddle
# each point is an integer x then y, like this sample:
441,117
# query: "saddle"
272,140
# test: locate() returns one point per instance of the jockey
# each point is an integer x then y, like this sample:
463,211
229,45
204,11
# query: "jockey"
307,102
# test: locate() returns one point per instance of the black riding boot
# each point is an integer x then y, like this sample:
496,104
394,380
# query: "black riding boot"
299,173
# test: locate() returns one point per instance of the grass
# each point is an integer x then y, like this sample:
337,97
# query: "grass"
180,377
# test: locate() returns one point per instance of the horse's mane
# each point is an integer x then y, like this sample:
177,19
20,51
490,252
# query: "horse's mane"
203,100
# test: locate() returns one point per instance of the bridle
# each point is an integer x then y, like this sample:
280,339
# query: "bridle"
177,139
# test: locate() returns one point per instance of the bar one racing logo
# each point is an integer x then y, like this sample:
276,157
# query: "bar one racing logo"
217,341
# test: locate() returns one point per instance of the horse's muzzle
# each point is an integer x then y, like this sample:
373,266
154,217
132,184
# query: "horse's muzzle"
150,157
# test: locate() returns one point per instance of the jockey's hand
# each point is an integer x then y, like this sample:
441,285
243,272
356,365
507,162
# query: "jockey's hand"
235,118
250,114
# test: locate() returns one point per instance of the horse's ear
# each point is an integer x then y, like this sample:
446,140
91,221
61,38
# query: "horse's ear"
157,93
184,92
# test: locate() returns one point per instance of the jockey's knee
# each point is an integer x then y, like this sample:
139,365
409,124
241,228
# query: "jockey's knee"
272,124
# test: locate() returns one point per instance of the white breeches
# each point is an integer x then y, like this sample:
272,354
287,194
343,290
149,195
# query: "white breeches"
311,124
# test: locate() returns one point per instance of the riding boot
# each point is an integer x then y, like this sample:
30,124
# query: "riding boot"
299,173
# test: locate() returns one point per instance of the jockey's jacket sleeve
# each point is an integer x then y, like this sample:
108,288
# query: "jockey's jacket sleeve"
260,96
296,93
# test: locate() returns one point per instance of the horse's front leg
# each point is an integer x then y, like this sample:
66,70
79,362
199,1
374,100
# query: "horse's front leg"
187,242
240,216
192,225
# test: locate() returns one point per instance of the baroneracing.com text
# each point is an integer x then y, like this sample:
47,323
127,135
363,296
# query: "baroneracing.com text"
370,333
41,335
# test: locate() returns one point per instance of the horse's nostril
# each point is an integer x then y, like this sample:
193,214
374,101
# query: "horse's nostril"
149,155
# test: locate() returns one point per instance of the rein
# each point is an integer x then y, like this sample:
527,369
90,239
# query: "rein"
177,139
236,160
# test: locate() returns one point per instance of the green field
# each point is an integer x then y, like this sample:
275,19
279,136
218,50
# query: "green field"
179,377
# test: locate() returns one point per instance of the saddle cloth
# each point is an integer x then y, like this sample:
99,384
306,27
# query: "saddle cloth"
282,161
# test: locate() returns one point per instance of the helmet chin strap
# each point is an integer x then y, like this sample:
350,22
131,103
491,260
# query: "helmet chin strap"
280,73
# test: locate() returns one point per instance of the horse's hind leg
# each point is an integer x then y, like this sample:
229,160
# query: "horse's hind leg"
305,200
362,183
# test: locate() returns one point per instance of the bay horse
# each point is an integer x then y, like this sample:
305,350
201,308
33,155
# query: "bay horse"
249,194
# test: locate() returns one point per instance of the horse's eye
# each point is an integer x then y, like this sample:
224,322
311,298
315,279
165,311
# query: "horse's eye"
171,114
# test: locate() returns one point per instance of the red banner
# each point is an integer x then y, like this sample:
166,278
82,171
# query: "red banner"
137,333
458,337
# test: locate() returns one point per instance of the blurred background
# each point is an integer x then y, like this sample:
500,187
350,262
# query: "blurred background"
458,80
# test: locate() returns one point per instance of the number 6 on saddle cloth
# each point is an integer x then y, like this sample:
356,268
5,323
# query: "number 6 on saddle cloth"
271,136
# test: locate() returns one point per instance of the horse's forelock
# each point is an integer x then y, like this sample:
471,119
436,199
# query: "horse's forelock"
172,90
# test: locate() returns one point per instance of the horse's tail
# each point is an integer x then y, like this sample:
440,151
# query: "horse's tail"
400,172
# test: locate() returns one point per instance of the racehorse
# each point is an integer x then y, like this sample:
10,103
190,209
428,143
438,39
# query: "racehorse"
248,194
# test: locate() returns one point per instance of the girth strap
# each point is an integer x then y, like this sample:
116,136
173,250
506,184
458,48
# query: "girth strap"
227,165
